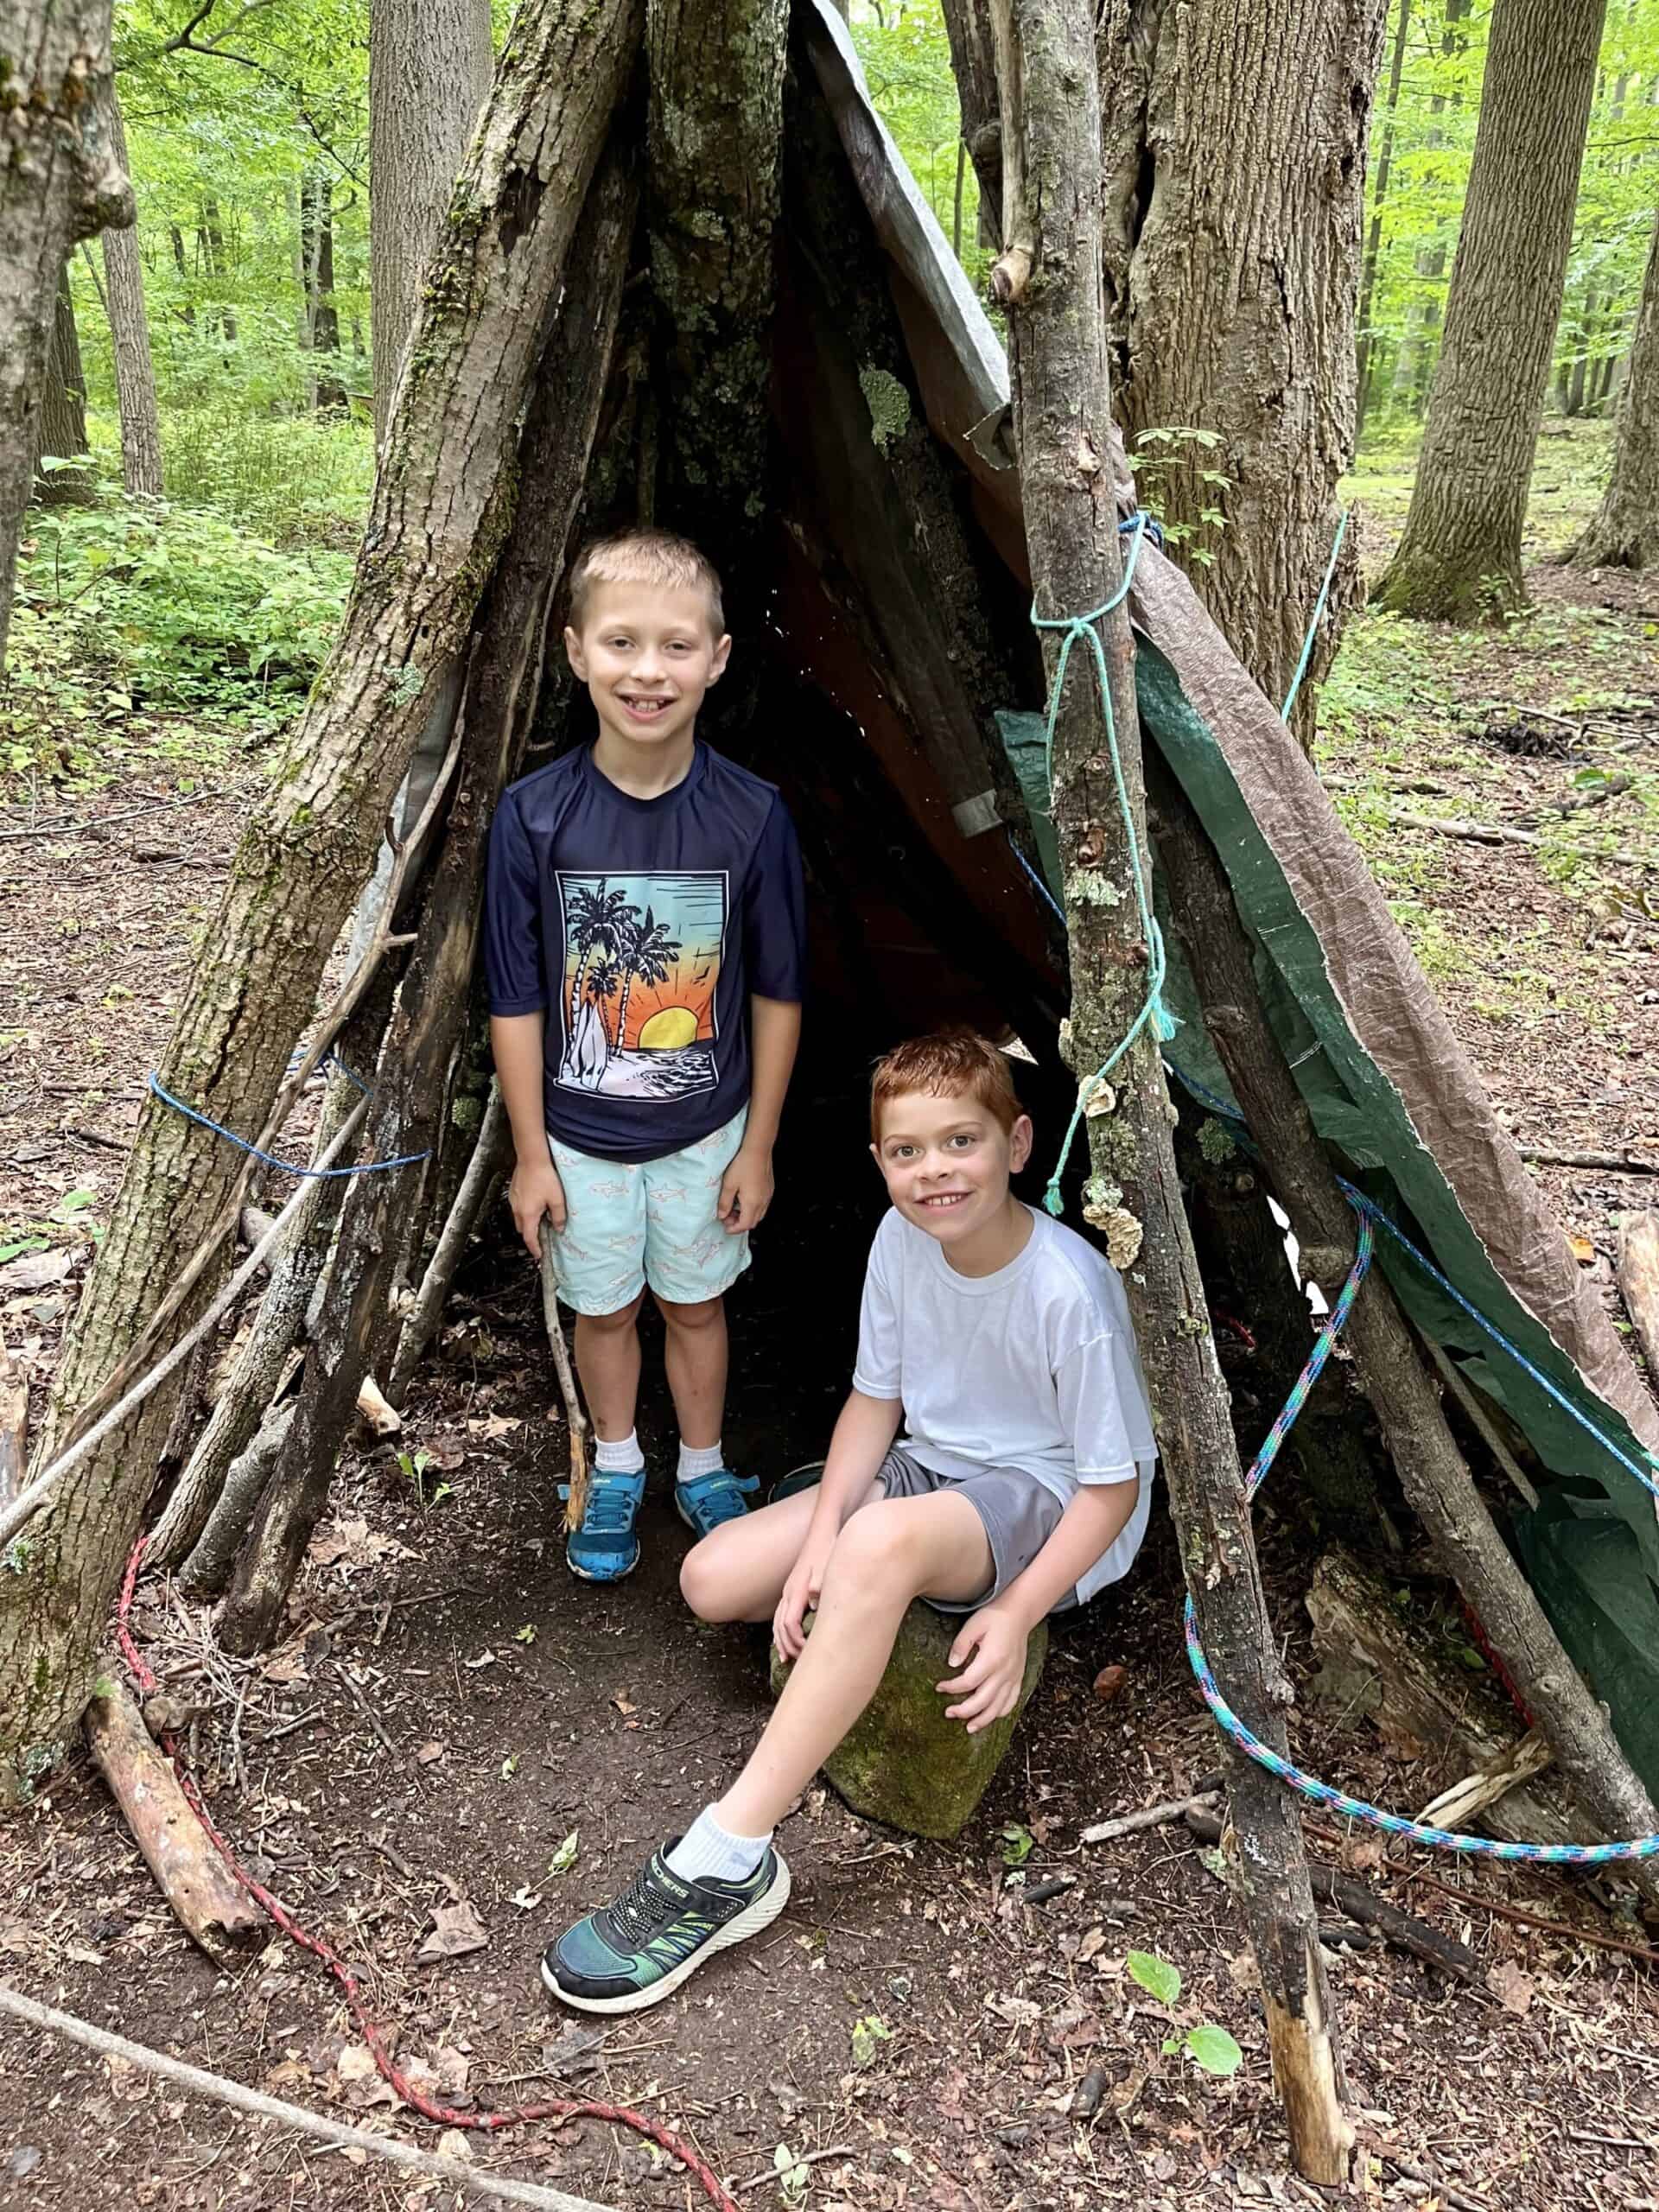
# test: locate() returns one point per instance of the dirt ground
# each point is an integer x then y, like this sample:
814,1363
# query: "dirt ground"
450,1708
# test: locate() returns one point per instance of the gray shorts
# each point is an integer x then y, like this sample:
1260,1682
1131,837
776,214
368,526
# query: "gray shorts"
1019,1514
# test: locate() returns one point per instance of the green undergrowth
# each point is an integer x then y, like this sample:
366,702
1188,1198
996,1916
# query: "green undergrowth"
156,613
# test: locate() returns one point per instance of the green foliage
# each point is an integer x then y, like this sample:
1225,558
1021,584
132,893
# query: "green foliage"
179,608
907,58
1203,2042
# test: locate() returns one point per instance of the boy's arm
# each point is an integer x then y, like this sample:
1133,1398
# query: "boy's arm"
774,1034
516,1040
991,1649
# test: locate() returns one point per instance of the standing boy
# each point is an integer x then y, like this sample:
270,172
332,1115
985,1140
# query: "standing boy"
1021,1485
643,940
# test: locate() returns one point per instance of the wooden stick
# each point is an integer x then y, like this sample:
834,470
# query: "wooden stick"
1403,1931
14,1427
1468,1398
1153,1816
576,1420
1519,1762
453,2172
207,1904
1638,1281
384,1418
1492,833
27,1502
1622,1163
488,1154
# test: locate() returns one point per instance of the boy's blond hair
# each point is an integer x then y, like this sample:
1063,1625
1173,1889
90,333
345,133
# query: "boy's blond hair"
952,1064
642,555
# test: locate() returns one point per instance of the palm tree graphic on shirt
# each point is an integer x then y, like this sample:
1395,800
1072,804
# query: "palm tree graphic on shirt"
642,958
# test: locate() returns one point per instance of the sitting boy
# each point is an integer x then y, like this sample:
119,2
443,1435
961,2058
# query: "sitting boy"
644,937
1020,1487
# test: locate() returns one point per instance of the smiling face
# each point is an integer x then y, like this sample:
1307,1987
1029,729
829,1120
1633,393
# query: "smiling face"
647,652
946,1163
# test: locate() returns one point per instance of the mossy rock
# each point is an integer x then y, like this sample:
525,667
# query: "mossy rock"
903,1762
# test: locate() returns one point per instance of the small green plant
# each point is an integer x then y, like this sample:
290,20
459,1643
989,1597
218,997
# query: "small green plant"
1169,476
413,1468
565,1857
1203,2041
868,2036
794,2178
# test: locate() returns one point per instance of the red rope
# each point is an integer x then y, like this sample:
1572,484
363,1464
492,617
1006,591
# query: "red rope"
416,2098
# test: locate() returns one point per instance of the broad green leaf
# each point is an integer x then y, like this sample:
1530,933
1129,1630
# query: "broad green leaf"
1214,2050
868,2036
1155,1975
1017,1844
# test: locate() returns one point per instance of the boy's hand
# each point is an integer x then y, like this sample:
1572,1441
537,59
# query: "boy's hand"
802,1592
534,1190
746,1190
988,1688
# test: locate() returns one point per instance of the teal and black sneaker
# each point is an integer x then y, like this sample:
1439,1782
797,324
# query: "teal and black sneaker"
639,1950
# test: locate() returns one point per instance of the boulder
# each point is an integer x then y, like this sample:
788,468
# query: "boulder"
903,1762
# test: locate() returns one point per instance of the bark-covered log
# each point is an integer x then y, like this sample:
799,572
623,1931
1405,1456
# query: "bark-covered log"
1062,420
428,70
60,182
432,1005
1624,531
1235,149
135,371
442,505
1432,1473
193,1877
207,1568
1459,558
716,123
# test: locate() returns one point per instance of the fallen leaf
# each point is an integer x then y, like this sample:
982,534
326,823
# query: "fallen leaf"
454,2066
453,2144
1110,1682
495,1425
1093,1942
524,1898
624,1703
428,1753
1513,1989
456,1930
574,2045
36,1270
868,2036
1584,1250
352,1544
484,1659
355,2062
1018,2012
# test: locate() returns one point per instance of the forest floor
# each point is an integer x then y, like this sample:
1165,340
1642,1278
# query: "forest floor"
451,1720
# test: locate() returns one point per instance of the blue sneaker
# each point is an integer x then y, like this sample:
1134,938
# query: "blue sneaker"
605,1548
707,1500
797,1480
639,1950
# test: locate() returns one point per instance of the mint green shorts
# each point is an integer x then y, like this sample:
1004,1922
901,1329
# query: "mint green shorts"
631,1222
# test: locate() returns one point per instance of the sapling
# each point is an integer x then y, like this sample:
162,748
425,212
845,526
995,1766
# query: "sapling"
1203,2042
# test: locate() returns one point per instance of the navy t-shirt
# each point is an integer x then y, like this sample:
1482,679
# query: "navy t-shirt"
641,927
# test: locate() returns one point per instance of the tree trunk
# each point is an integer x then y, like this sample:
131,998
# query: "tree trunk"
60,426
322,316
1624,533
135,373
1459,558
1236,158
442,499
714,133
1062,424
219,264
1414,362
433,1005
1366,354
428,70
61,182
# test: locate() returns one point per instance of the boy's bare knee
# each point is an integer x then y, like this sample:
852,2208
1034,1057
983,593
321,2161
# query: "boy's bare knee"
880,1548
610,1325
702,1315
705,1584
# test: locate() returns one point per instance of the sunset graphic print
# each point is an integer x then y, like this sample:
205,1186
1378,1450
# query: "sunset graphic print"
642,956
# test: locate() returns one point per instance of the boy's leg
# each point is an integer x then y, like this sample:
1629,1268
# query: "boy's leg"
607,1360
695,1356
738,1573
888,1553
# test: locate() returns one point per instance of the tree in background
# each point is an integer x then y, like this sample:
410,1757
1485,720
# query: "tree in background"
60,182
428,70
1381,177
135,373
1459,557
60,426
1624,533
1236,159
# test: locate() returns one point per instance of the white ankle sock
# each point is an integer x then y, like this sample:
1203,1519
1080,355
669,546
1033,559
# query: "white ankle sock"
622,1457
706,1849
696,1462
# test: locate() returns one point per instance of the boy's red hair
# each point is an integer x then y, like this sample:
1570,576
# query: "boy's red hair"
952,1064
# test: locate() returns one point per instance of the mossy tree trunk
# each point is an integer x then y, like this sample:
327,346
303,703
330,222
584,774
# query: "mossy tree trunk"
442,502
60,182
1459,557
1624,533
1062,424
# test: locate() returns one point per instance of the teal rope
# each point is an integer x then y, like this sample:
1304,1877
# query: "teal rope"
1074,627
1313,627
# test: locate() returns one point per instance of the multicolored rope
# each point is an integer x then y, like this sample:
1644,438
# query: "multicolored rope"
1074,628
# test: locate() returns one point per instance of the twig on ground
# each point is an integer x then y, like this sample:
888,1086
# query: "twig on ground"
1575,802
1621,1163
802,2158
1153,1816
45,828
451,2171
1456,2199
365,1709
1492,833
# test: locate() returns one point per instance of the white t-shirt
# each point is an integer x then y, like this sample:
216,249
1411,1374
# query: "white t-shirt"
1033,1368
